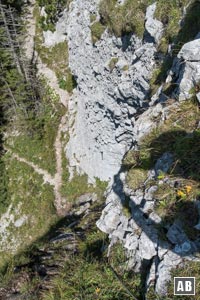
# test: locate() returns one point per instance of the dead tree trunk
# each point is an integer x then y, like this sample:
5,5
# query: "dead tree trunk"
10,40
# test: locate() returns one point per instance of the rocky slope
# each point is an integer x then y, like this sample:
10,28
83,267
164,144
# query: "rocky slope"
110,112
104,105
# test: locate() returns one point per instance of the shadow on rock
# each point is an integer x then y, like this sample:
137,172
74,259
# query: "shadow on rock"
153,206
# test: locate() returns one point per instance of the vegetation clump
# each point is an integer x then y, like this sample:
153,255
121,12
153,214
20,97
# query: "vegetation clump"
179,188
123,19
97,30
56,58
178,30
112,63
98,277
52,10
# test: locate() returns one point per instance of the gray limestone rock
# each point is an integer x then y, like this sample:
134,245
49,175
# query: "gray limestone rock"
89,197
146,247
59,35
184,248
164,163
149,192
186,69
109,112
103,101
176,235
170,260
131,242
83,208
153,26
190,51
198,96
148,121
19,222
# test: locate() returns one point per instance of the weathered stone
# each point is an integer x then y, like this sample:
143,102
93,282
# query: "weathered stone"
149,193
186,68
109,221
183,248
58,36
121,64
19,222
119,233
170,261
131,242
198,96
99,140
83,208
154,218
89,197
153,26
146,247
190,51
151,277
146,122
164,163
176,235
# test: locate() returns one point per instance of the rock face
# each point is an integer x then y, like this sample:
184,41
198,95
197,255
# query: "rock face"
109,112
153,27
106,99
185,73
139,232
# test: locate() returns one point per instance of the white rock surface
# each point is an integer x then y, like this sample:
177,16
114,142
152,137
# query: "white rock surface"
19,222
153,27
104,102
171,260
59,35
186,69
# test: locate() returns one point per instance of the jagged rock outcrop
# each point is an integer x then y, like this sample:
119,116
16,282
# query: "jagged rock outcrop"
185,72
153,27
104,105
139,232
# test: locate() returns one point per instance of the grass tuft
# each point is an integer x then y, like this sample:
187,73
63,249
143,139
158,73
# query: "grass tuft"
97,30
123,19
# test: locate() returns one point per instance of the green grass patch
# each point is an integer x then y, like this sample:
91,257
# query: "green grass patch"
31,198
93,17
95,279
97,30
78,185
123,19
37,134
112,63
136,178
